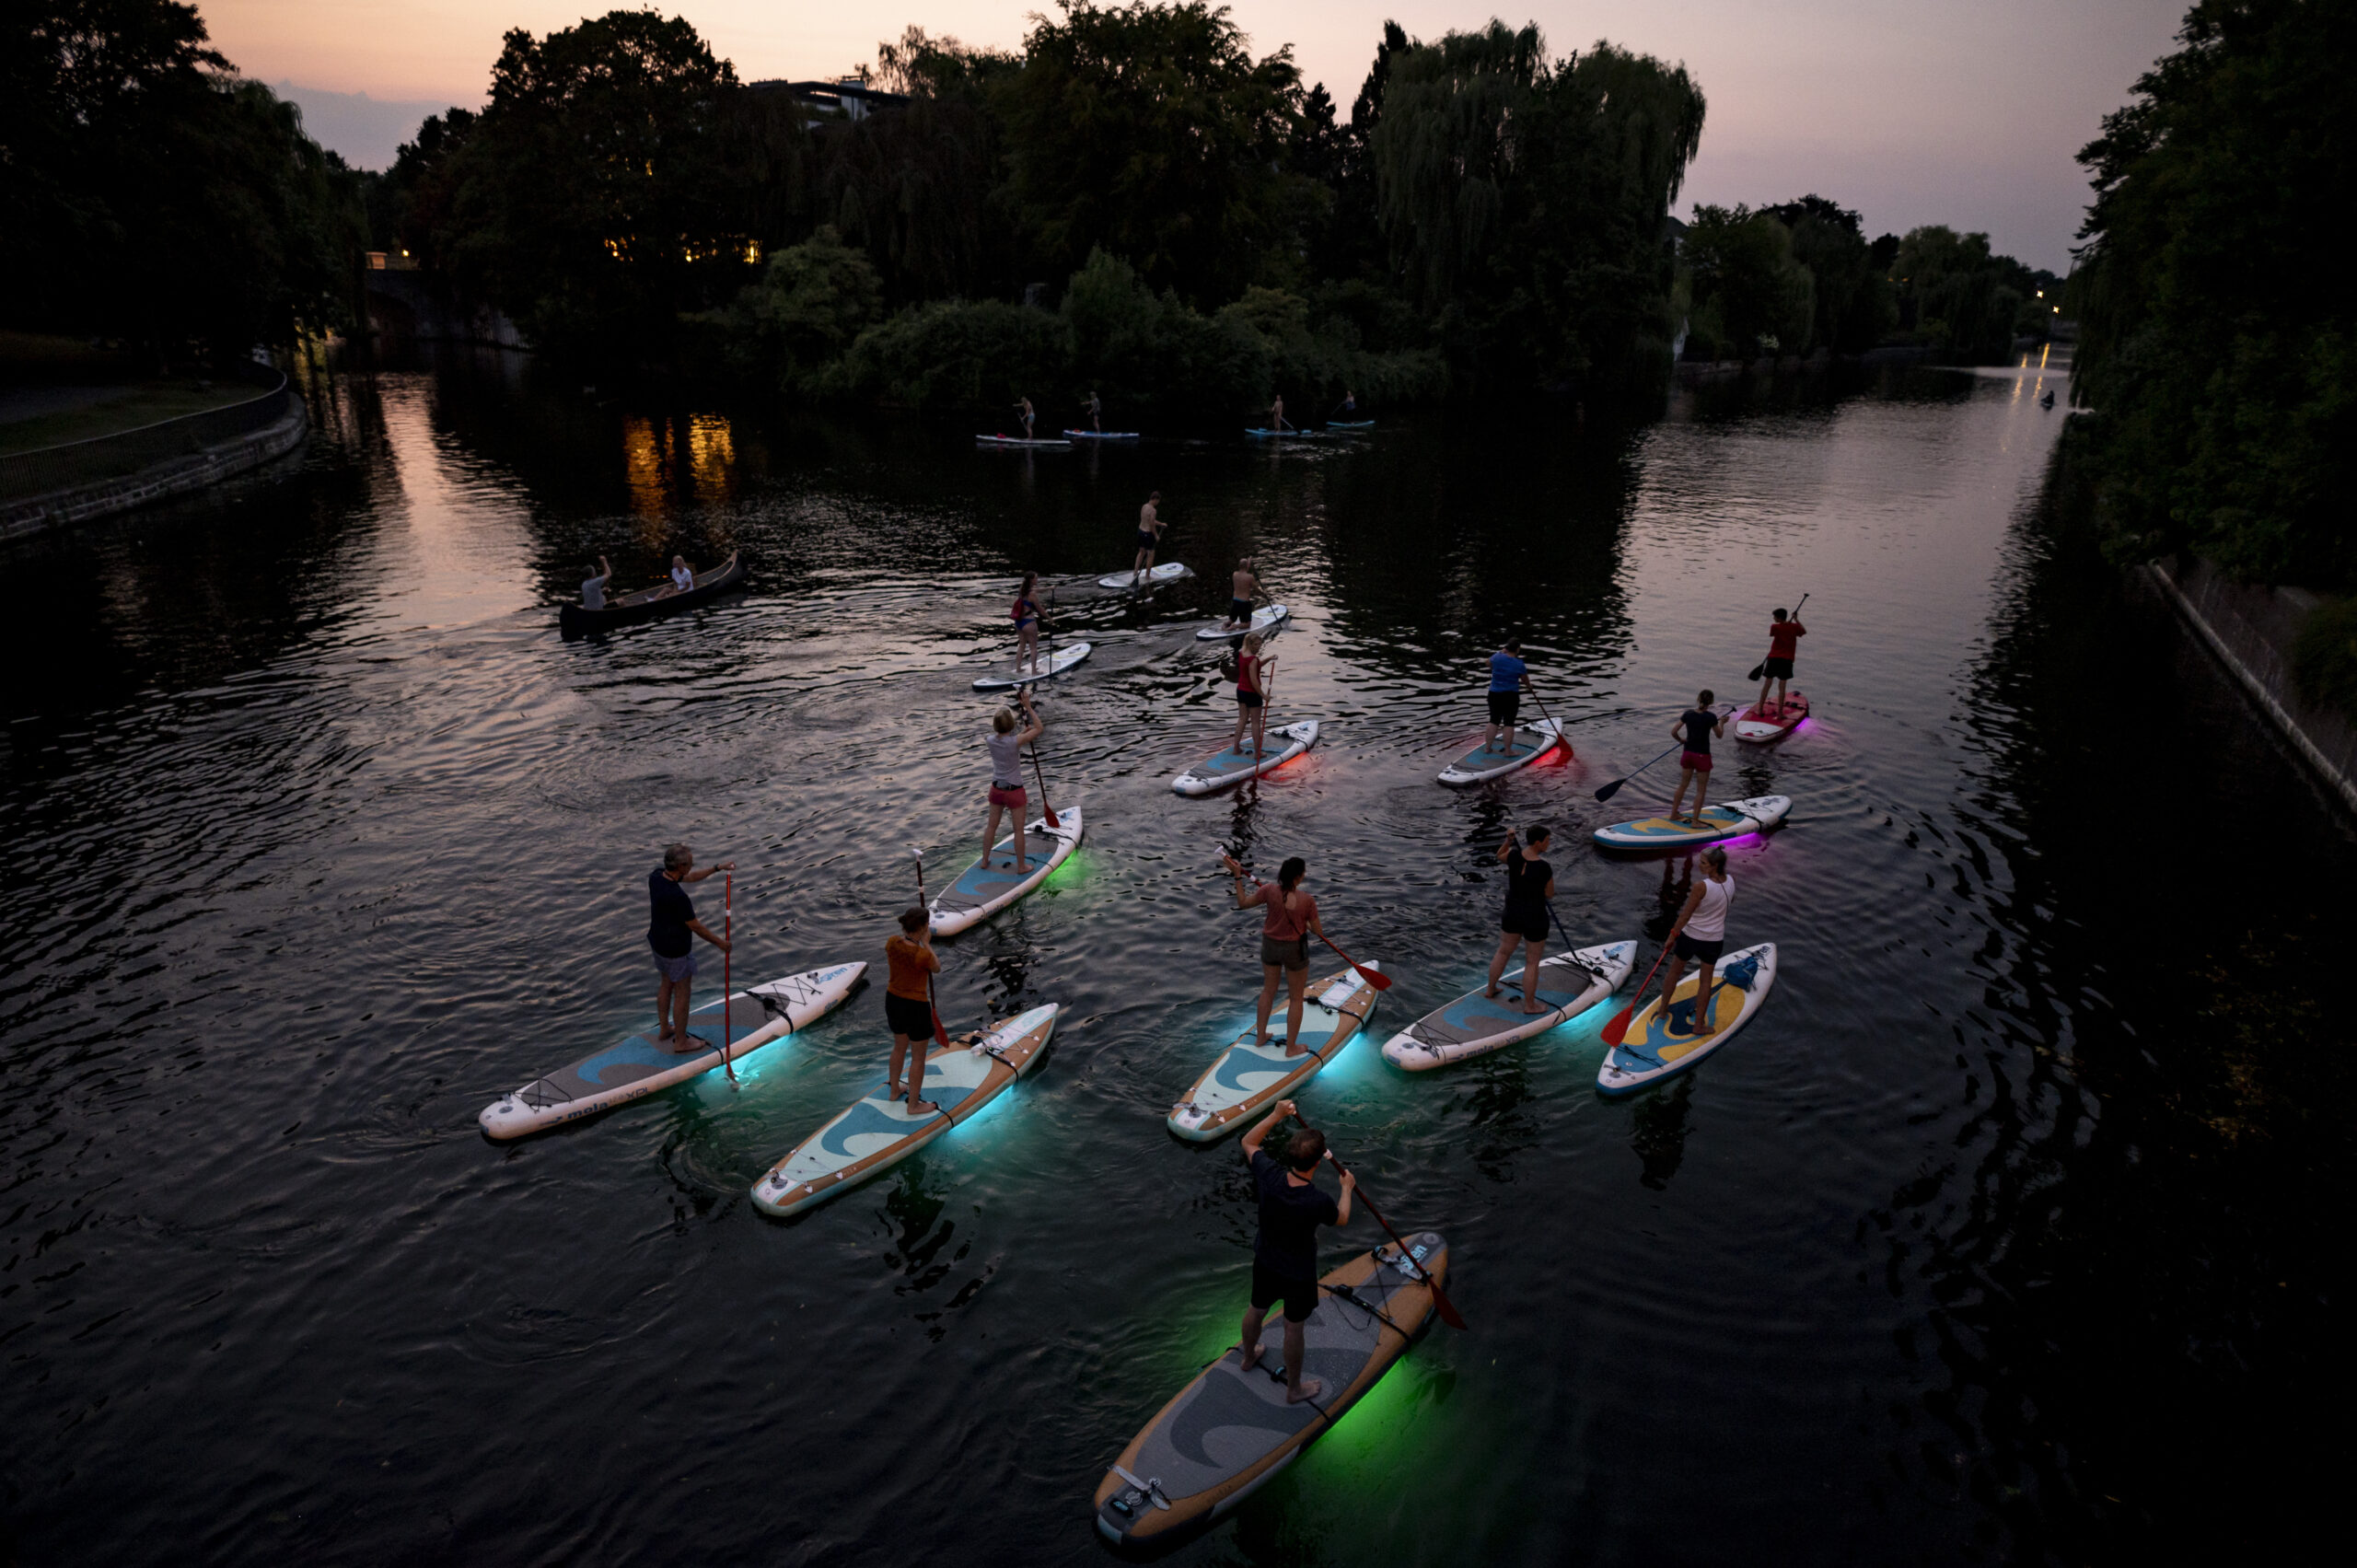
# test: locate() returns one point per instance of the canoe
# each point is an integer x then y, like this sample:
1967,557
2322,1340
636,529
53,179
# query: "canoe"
1756,727
1483,764
646,604
1102,435
1473,1024
759,1017
994,881
1051,442
875,1134
1226,769
1048,669
1156,575
1249,1078
1267,616
1230,1430
1651,1052
1729,820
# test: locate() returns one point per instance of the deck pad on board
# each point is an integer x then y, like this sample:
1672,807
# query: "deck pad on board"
1237,763
994,881
1759,727
1524,748
1027,672
1246,1077
1725,820
1569,984
1162,572
1648,1053
1267,615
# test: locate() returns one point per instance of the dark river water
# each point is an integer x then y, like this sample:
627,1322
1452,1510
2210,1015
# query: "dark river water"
2003,1234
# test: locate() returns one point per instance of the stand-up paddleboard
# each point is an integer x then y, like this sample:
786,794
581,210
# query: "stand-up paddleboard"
1026,674
1484,763
1765,728
1231,1429
1650,1052
1152,578
1286,434
1569,984
1225,769
877,1134
1267,615
1349,425
995,881
1048,441
1102,435
639,1067
1249,1078
1729,820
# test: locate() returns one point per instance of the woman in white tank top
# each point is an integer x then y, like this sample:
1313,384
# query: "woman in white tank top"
1701,934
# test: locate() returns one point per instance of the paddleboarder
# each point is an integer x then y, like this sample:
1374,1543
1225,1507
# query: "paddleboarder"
1783,639
1277,413
1150,527
1284,1255
908,1003
670,928
1252,671
1095,412
1243,588
1284,941
1695,726
1700,935
1026,618
593,589
1023,407
1006,740
1348,405
1530,882
1509,678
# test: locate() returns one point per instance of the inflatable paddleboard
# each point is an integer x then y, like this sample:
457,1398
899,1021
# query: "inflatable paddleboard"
1231,1429
1249,1078
1650,1053
1483,764
1102,435
1019,441
1728,820
995,881
1286,434
1765,728
877,1134
1225,769
1569,984
1156,575
1046,668
639,1067
1267,615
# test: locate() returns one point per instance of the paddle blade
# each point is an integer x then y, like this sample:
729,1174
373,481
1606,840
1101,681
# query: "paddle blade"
1608,791
1447,1308
1756,670
1616,1030
1374,978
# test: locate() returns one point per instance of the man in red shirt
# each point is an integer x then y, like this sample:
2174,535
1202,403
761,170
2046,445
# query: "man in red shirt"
1783,636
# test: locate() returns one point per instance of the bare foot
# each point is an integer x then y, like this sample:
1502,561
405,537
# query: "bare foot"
1492,991
921,1106
1246,1360
1295,1048
1534,1012
1310,1389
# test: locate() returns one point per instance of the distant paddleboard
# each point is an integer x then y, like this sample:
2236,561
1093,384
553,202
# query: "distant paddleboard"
1569,984
638,1067
1349,425
1102,435
1730,819
1152,578
877,1134
1267,615
1484,763
1020,441
1225,770
1046,668
1286,434
995,881
1651,1052
1765,728
1247,1078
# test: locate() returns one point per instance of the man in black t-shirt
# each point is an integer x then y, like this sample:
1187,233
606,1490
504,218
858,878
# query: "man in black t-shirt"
672,920
1284,1258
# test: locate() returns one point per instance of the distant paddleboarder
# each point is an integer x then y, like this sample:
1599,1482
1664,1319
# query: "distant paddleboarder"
1023,407
1277,413
1347,406
1095,412
1284,941
908,1005
1006,740
1252,669
1150,527
1509,678
1695,726
1783,641
671,928
1700,935
1243,588
1530,882
1284,1255
1026,616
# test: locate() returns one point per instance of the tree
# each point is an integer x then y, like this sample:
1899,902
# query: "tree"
1957,295
1854,305
1751,295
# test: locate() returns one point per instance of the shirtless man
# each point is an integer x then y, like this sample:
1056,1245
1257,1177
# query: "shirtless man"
1243,588
1023,407
1095,412
1150,527
1277,413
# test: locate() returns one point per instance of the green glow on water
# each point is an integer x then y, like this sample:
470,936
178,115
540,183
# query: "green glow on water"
1074,867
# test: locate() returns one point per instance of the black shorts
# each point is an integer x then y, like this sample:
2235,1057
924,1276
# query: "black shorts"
1239,609
1285,953
909,1016
1300,1297
1698,949
1776,669
1529,927
1504,705
1249,699
1146,539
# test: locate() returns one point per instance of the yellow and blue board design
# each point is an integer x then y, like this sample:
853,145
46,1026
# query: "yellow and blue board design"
1651,1051
1728,820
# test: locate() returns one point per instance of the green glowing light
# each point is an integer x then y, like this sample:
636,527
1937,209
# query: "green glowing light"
1074,867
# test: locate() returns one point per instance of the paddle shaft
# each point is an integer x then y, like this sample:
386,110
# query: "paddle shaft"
932,1003
727,934
1374,978
1616,1030
1447,1309
1761,669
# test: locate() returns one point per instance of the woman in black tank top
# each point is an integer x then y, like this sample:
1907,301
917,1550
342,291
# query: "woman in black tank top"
1530,882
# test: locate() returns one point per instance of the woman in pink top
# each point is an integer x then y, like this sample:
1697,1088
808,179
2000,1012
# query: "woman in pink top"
1285,931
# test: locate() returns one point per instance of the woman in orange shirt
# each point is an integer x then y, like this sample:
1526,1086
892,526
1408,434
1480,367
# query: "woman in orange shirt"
908,1005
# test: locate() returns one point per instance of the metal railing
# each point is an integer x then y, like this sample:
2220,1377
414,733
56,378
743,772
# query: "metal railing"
126,452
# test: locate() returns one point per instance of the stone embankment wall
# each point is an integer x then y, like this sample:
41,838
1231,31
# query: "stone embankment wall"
207,465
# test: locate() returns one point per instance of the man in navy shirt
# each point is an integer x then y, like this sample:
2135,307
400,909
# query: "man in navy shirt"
671,921
1284,1258
1509,679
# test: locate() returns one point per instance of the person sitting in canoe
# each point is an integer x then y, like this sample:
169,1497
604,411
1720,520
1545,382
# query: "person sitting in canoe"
1284,941
1509,678
1150,527
683,577
1243,588
1253,668
1006,740
1783,640
1696,725
1026,617
671,928
593,590
1700,935
1284,1255
908,1005
1023,407
1530,882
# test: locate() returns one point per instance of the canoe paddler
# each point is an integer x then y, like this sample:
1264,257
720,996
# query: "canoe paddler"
683,577
1509,678
911,963
1700,935
1783,642
593,588
1284,941
1695,726
670,928
1530,882
1243,588
1006,740
1150,527
1284,1255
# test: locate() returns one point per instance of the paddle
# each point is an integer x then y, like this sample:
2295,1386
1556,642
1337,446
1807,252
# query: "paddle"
1616,1030
1046,812
727,934
1762,665
1374,978
1548,716
1608,791
1448,1313
932,1004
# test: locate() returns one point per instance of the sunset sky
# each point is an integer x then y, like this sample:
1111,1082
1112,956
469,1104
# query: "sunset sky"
1910,110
